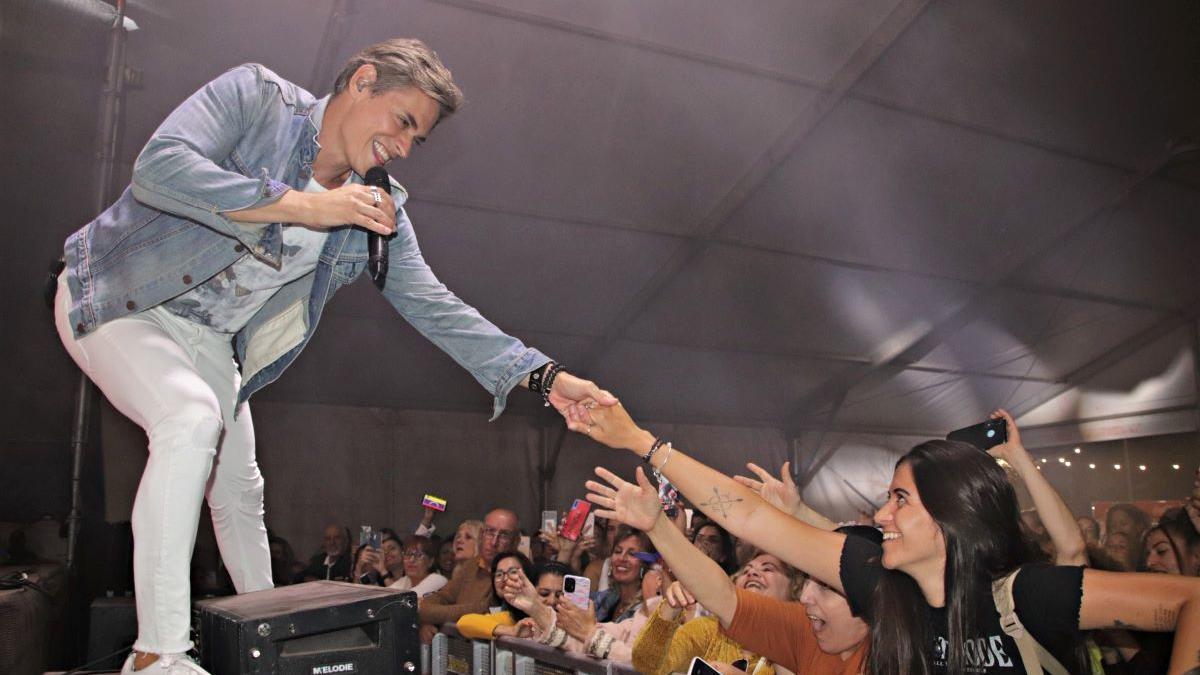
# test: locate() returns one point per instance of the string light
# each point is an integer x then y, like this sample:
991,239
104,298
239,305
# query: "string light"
1043,460
1175,466
1117,467
1091,466
1066,463
1077,451
1061,460
1141,467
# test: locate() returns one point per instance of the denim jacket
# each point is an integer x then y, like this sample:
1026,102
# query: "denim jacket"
240,142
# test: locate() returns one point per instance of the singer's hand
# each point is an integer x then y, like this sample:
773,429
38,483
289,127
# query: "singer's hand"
347,205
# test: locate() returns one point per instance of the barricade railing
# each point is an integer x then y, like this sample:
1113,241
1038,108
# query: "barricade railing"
453,654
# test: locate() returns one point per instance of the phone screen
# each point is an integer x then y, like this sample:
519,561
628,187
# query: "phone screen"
701,667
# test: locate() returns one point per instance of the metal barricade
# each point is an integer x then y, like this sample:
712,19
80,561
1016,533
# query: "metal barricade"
451,653
530,658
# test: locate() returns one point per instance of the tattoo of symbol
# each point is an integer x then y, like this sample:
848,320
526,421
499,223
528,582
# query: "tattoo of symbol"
721,503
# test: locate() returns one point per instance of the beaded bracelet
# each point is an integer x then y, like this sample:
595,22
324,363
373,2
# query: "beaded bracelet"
658,443
548,382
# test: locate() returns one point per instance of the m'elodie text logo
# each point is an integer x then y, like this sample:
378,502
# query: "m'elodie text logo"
347,667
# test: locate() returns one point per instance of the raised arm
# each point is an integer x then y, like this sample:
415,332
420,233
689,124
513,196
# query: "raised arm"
1150,602
1069,548
783,494
732,505
637,505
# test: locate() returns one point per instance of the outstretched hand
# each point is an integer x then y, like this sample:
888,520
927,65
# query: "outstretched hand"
613,427
519,592
574,398
781,492
634,504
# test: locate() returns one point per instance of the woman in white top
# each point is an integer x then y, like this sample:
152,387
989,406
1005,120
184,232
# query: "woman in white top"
417,558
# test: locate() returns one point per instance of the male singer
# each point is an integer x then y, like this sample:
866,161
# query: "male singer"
227,245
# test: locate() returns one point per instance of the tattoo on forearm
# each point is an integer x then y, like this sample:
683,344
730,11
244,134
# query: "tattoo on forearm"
1164,619
720,503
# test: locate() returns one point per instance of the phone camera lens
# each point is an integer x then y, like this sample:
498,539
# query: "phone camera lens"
569,585
991,432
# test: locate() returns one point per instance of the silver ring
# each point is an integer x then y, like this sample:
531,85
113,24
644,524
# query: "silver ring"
376,195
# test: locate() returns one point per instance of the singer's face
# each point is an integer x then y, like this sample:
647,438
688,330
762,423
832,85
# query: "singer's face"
379,128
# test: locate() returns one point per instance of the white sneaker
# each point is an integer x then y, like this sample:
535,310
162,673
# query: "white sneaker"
167,664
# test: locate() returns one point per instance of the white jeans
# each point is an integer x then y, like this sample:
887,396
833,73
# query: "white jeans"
178,381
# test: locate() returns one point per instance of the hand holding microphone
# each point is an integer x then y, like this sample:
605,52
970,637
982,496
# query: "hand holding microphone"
377,245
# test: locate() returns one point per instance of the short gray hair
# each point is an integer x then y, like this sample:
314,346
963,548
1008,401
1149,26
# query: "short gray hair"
405,62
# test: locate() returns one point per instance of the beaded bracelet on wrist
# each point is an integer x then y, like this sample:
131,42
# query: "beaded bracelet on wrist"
658,443
548,382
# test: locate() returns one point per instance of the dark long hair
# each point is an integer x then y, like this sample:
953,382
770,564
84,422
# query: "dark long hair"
526,567
729,562
969,497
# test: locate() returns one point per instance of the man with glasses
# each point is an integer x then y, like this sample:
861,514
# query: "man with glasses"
470,587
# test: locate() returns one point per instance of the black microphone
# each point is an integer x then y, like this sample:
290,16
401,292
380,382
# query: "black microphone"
377,245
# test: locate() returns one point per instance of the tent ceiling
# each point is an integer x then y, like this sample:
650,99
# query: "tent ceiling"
679,195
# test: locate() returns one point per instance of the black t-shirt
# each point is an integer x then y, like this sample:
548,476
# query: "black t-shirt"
1047,600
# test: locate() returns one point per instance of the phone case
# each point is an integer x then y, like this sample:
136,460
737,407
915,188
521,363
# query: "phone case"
984,435
435,503
701,667
582,592
573,525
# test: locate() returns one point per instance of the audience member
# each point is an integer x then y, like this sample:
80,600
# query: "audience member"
1121,551
623,597
470,588
285,568
445,558
1090,530
667,644
716,543
1128,520
333,561
502,617
951,529
418,567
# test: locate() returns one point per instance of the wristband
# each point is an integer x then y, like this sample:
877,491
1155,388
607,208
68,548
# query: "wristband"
548,381
658,443
537,375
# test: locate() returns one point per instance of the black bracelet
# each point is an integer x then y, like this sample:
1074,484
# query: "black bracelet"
548,382
658,443
537,375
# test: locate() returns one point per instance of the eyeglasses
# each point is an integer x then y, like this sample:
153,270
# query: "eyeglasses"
416,554
499,535
513,573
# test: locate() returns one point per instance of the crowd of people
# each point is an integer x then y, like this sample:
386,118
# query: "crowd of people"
759,582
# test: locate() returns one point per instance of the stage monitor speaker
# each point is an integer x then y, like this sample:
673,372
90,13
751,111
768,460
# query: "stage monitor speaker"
318,628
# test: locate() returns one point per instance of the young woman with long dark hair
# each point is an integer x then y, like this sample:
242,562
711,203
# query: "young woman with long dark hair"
951,529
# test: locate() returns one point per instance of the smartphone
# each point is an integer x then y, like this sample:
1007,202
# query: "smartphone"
432,502
701,667
368,536
589,525
984,435
669,497
573,524
550,520
578,590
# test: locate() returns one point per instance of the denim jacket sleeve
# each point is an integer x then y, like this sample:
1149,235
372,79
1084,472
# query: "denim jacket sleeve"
496,360
189,168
